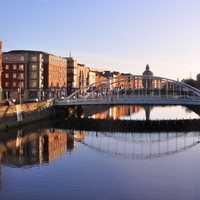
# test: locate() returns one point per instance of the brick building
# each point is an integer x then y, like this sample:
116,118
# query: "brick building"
55,76
78,75
33,74
72,71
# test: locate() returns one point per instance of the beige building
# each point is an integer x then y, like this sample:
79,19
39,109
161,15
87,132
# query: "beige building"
92,76
83,76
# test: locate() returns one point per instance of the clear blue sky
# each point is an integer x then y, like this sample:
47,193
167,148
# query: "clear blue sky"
121,35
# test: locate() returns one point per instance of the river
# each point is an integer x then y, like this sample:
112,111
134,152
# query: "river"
50,161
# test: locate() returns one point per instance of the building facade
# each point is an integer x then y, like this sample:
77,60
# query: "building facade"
32,74
83,76
92,76
72,75
55,75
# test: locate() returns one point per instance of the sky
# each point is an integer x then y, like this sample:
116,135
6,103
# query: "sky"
122,35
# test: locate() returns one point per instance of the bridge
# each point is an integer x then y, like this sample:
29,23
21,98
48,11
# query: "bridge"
134,89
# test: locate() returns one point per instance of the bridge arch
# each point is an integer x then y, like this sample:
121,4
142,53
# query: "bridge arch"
136,89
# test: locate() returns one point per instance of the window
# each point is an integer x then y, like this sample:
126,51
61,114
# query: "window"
14,67
33,75
6,75
21,67
7,66
7,84
22,58
21,84
14,84
21,76
34,58
33,84
34,67
14,75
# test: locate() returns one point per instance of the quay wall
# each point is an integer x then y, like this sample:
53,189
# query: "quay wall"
17,115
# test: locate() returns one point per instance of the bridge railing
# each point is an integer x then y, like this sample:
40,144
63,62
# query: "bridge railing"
131,98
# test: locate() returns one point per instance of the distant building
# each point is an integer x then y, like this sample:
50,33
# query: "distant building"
147,78
101,78
36,74
83,76
72,75
55,76
92,76
78,75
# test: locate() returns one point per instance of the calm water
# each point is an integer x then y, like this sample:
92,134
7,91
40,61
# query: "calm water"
44,162
146,112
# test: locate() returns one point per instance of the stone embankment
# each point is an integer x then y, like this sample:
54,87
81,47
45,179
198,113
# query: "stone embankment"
17,115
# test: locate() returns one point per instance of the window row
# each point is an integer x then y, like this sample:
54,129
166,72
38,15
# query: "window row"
15,75
14,84
14,67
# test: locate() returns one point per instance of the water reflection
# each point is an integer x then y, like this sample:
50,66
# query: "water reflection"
141,145
48,144
33,148
22,150
136,112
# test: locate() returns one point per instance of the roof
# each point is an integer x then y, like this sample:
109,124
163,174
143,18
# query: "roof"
30,51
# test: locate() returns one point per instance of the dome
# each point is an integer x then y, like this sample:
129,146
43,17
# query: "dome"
198,77
147,72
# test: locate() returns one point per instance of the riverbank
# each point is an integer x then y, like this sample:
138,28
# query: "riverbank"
17,115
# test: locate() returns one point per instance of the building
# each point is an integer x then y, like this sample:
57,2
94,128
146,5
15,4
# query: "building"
92,76
83,76
55,76
147,78
72,71
101,78
77,75
33,74
1,70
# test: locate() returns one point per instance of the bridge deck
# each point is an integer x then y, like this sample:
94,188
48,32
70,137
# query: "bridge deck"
145,100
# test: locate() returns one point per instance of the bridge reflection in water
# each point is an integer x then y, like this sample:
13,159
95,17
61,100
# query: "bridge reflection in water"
141,145
46,145
25,148
54,144
145,112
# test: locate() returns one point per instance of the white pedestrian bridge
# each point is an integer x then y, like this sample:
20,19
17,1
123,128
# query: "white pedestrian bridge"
134,89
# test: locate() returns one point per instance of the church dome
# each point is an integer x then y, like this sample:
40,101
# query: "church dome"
147,72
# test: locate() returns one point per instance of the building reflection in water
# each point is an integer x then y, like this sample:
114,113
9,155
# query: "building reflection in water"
146,112
37,147
48,144
117,112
